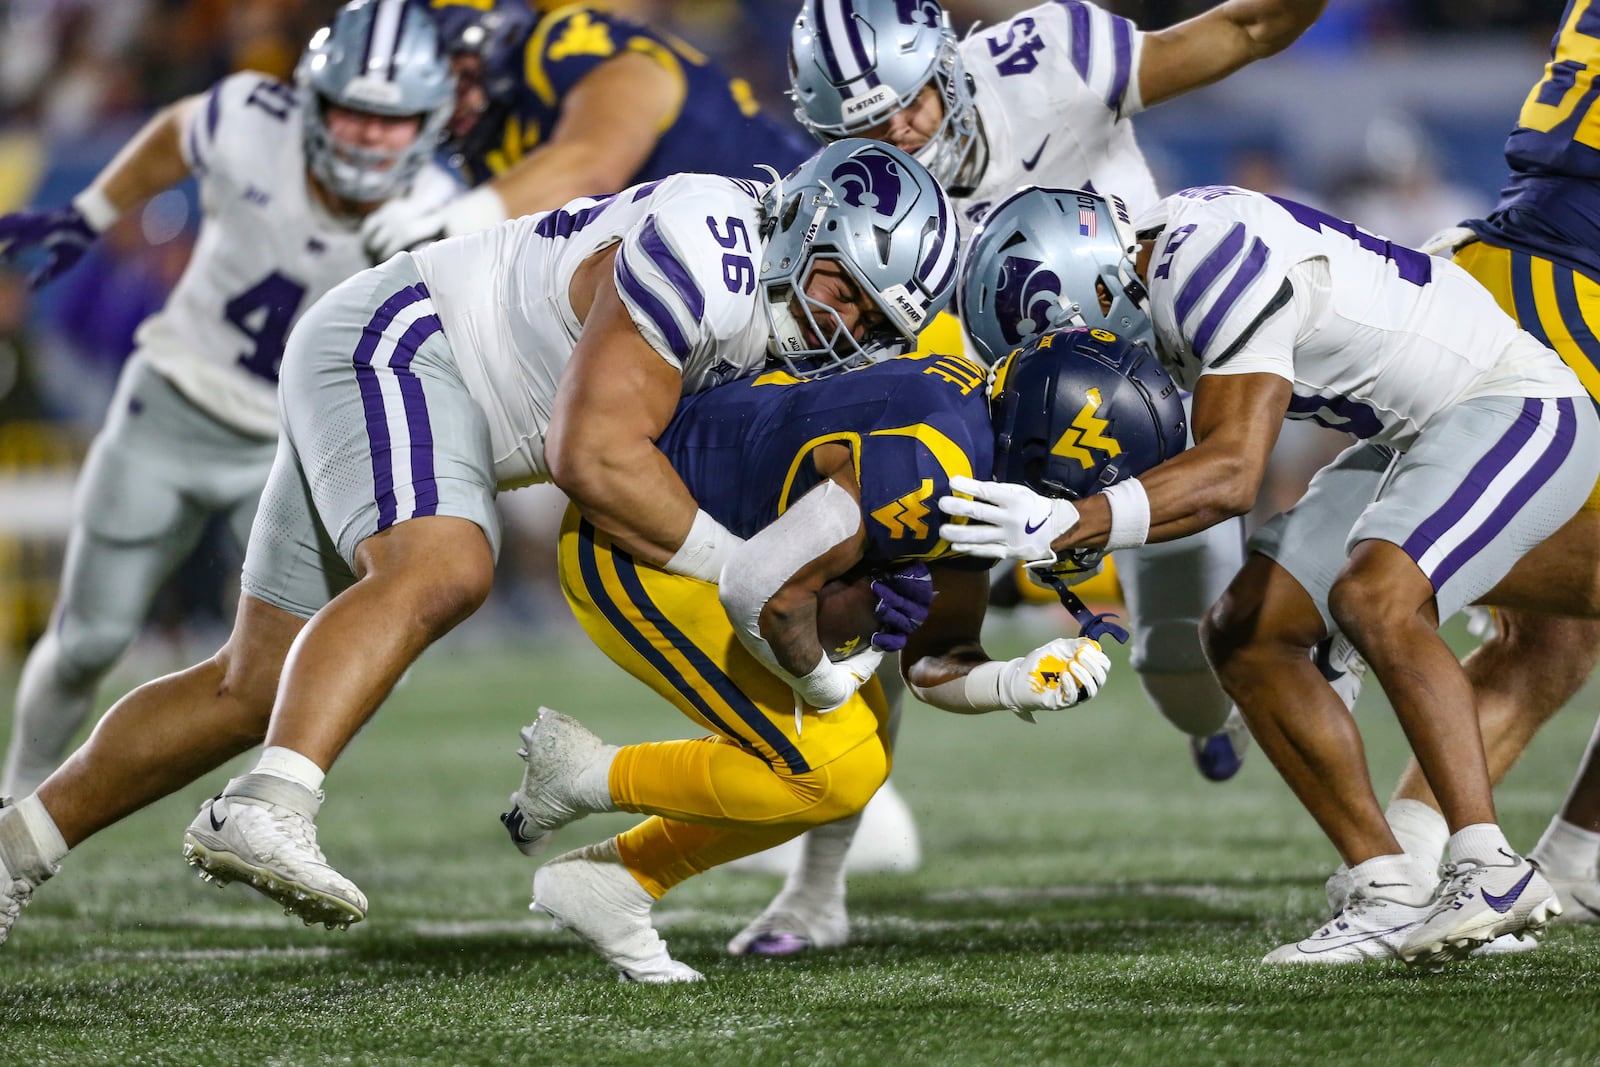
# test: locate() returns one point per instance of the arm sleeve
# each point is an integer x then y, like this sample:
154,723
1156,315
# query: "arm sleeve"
1103,50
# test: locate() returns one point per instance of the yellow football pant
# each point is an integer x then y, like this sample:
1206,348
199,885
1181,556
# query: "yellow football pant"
1556,304
760,778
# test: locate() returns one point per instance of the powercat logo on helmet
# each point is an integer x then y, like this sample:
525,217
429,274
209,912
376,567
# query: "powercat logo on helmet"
918,12
868,179
1026,299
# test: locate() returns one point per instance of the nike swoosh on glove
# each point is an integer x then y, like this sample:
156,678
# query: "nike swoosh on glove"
1008,521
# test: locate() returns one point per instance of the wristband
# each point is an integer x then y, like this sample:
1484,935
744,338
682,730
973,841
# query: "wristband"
705,549
98,212
826,687
1130,515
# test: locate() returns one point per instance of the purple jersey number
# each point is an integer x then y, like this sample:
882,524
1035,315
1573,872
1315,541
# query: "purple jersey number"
264,313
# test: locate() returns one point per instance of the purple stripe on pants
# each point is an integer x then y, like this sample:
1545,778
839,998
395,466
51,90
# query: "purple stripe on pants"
1543,469
423,484
372,394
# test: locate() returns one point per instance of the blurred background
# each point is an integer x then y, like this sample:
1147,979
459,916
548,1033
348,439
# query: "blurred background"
1390,112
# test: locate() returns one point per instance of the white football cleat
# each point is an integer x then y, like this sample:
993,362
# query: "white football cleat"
790,926
1370,927
1477,903
590,892
1579,895
260,831
556,749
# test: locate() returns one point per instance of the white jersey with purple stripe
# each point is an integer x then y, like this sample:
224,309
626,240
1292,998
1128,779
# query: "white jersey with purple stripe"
266,251
1377,339
1054,87
686,270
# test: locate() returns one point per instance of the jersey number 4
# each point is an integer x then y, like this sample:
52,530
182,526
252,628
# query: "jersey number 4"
263,313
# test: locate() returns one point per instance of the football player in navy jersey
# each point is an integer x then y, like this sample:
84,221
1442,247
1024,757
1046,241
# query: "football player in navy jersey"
1046,97
576,101
820,478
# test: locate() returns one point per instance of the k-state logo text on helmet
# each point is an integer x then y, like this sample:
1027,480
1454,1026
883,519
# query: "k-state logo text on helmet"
868,179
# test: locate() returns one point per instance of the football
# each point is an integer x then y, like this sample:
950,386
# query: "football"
847,613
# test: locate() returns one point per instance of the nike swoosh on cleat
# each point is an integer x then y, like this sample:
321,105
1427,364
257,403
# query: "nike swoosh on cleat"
216,823
1032,527
1029,164
1503,903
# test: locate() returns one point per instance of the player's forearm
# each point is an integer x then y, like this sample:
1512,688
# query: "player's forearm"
1270,26
628,490
1189,493
557,173
151,162
945,683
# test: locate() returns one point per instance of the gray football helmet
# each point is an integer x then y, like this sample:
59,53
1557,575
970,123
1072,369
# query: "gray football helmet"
382,57
1034,263
854,63
876,212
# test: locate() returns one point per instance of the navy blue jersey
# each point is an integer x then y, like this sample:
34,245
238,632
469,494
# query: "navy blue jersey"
1551,205
743,449
719,129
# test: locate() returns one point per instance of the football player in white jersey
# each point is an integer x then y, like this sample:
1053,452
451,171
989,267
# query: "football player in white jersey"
286,174
1475,444
554,347
1045,97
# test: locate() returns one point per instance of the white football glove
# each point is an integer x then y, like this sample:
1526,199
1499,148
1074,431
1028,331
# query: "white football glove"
1448,241
400,226
1010,521
1053,676
831,684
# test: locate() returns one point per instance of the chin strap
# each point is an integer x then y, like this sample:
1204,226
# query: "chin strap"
1091,625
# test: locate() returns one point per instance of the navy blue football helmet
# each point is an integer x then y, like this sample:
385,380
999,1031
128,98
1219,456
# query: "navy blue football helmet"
1076,410
497,33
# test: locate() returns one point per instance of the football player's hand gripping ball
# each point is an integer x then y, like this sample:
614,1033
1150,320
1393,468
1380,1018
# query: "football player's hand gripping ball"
904,596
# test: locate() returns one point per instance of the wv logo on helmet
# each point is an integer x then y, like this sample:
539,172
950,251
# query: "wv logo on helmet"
1088,430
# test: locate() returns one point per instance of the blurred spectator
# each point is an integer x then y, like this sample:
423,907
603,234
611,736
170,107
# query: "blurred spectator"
1399,192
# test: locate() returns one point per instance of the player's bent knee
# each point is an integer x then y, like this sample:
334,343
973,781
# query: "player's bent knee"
852,779
86,649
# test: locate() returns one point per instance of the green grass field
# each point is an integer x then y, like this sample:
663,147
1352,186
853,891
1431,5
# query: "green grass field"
1085,899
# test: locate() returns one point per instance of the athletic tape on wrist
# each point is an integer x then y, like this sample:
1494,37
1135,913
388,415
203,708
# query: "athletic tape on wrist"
1130,515
98,211
705,550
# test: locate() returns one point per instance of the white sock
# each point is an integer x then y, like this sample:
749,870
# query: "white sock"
818,879
592,787
1401,877
1568,850
291,766
30,845
1421,831
1479,843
